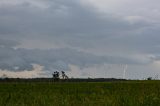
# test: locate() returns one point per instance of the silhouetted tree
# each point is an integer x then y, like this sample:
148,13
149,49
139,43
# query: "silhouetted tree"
64,76
56,76
149,78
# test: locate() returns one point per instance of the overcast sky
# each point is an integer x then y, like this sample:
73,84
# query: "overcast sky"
85,38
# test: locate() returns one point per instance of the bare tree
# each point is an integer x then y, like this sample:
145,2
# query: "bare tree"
64,76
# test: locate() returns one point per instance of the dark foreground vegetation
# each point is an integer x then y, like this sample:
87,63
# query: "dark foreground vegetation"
115,93
60,80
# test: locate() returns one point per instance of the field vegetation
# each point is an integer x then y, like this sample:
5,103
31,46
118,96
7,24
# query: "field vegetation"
123,93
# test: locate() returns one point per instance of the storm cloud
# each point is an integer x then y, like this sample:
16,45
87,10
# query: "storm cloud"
58,33
20,59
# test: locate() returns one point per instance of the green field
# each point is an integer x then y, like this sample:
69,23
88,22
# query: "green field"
128,93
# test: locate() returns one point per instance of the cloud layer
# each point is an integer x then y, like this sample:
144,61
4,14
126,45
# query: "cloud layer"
58,33
20,59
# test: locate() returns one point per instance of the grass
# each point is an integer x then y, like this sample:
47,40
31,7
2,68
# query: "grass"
130,93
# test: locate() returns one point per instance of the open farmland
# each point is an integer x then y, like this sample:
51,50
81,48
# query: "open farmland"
124,93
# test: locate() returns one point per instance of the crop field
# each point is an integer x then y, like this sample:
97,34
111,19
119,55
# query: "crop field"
127,93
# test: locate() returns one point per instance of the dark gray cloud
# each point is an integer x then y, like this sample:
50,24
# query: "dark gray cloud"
8,43
69,23
54,59
84,36
60,19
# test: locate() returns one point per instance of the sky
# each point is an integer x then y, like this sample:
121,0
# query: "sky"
84,38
